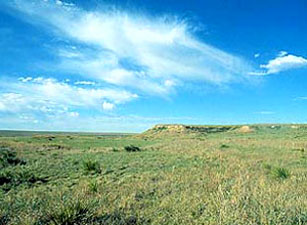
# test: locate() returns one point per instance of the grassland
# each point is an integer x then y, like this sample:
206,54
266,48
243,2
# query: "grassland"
185,176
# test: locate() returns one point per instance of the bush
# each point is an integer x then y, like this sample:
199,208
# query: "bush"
132,148
91,166
8,157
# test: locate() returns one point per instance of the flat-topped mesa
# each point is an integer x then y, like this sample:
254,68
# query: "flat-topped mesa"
183,129
163,130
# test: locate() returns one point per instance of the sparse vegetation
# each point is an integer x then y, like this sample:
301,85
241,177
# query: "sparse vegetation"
192,176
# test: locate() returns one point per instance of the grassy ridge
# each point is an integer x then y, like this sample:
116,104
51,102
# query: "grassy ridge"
212,178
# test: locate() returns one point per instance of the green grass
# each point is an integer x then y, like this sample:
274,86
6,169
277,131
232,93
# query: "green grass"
213,178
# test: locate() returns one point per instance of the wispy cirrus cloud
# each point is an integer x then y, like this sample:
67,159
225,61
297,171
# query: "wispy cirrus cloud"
133,50
284,61
301,98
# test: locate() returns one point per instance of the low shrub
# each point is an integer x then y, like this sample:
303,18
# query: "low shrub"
132,148
115,150
224,146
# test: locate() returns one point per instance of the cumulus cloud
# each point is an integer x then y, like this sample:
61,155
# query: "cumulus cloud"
135,51
282,62
49,96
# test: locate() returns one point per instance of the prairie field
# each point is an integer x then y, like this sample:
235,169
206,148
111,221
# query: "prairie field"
254,174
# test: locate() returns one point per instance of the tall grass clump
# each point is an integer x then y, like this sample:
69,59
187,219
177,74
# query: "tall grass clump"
280,173
12,178
93,186
83,211
91,166
8,157
277,172
74,212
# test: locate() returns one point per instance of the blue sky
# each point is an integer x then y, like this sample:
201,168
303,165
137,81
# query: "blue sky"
124,66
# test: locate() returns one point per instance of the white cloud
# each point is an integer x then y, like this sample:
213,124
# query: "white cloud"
25,79
282,62
69,53
256,55
74,114
58,2
62,3
2,107
169,83
266,112
107,106
282,53
83,82
132,50
49,96
298,98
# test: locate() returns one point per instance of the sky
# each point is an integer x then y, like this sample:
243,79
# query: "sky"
126,65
